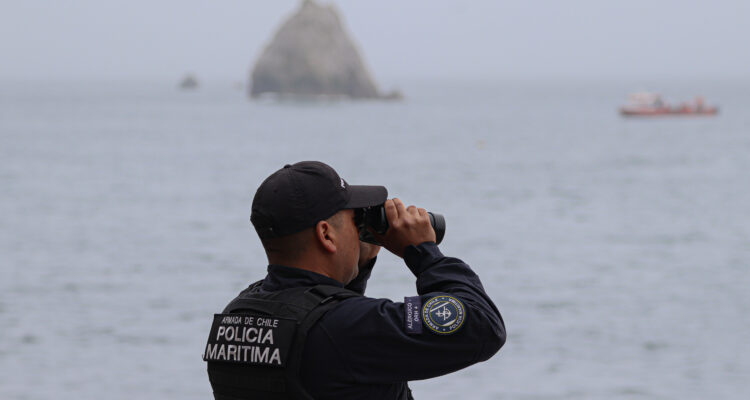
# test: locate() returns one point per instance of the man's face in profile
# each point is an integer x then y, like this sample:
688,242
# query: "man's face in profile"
348,248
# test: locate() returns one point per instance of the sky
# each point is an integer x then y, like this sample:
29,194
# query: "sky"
477,39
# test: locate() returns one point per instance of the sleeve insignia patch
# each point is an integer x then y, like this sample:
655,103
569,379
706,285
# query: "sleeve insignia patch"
443,315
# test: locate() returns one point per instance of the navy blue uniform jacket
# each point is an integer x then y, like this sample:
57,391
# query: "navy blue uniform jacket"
361,349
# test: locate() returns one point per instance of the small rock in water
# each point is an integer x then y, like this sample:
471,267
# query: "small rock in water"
189,82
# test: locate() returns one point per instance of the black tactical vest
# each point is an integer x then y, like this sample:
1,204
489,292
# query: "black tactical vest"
255,346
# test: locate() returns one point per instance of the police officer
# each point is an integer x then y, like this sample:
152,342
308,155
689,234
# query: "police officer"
306,330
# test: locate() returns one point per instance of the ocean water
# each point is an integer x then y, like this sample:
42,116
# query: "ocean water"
617,250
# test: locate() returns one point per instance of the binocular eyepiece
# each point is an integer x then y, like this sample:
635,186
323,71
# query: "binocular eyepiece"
374,217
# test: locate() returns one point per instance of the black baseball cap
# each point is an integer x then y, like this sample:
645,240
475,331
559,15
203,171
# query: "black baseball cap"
297,196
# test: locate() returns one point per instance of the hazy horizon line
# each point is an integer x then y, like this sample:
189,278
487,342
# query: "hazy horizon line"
384,82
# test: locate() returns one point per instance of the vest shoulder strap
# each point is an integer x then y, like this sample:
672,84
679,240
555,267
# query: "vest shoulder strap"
329,297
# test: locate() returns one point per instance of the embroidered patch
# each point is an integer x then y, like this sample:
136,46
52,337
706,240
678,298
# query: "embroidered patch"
412,321
443,314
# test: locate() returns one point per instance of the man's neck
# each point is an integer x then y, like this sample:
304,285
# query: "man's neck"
319,265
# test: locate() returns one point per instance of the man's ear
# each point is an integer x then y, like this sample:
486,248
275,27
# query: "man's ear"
325,235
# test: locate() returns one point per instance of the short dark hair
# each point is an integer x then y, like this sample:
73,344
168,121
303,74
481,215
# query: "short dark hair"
293,246
289,247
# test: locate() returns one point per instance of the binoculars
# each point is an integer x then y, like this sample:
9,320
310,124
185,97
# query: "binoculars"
374,218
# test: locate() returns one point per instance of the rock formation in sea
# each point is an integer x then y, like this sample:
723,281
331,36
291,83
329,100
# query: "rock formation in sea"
311,55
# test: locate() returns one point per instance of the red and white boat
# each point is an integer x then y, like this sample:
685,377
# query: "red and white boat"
651,105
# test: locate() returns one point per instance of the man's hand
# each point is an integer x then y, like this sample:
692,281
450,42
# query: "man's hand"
367,252
406,226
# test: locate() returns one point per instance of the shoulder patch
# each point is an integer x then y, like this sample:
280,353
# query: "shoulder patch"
443,314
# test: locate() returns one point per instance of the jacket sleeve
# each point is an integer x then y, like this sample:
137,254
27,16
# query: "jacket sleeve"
370,338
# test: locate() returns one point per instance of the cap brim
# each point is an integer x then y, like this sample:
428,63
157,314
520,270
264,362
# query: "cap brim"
366,196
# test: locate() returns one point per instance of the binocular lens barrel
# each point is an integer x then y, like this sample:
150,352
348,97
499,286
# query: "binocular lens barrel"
438,224
374,218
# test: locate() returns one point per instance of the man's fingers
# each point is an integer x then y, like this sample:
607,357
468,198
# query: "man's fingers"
401,211
408,226
391,214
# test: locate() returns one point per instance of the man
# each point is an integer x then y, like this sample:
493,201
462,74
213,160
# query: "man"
307,331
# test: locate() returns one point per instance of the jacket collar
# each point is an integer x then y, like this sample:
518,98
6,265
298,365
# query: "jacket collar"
282,277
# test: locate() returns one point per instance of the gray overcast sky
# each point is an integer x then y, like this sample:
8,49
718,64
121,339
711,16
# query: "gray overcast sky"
468,39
